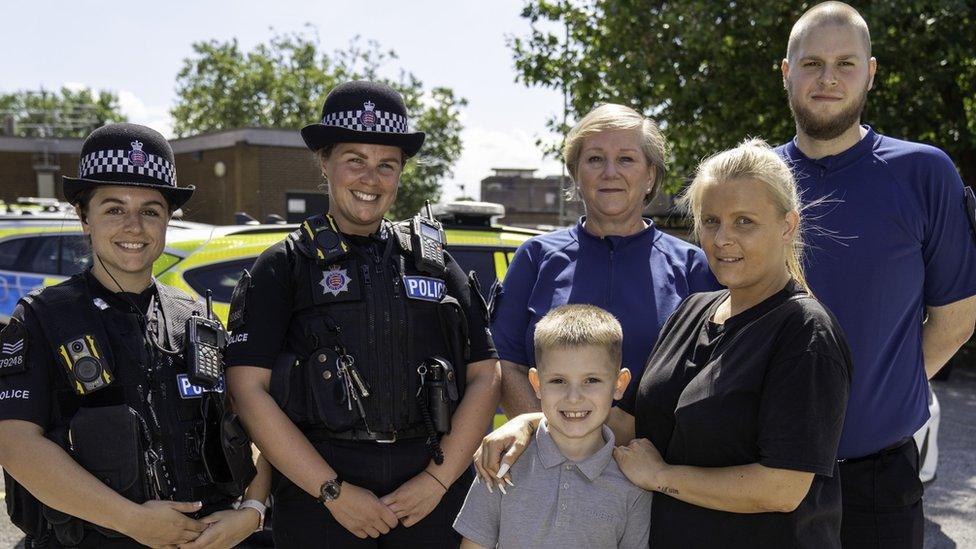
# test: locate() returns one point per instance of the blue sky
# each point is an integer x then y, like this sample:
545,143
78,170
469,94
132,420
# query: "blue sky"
135,49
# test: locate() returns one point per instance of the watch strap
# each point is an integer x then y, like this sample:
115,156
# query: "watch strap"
261,508
322,495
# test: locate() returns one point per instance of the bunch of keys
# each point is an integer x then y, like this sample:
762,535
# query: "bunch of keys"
356,389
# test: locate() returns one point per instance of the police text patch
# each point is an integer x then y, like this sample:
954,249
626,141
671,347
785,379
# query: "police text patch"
189,390
13,348
424,287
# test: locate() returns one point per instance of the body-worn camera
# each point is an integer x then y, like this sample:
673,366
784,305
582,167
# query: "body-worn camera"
427,241
86,366
205,342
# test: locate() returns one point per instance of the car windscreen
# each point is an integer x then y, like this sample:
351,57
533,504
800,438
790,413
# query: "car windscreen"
220,278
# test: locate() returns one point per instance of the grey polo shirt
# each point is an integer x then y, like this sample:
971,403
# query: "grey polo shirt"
559,503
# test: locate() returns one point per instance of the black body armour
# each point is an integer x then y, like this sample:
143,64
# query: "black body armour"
141,427
369,308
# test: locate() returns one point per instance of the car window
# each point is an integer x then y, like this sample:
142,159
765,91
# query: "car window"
44,258
9,252
481,260
220,278
75,254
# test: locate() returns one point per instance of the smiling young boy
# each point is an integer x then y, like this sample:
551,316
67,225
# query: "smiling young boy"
570,492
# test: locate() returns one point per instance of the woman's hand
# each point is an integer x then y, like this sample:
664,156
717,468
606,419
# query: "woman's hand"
415,499
502,447
361,512
163,523
226,529
641,463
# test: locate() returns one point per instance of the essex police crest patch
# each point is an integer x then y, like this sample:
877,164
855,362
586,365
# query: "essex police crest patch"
335,280
137,156
368,117
424,288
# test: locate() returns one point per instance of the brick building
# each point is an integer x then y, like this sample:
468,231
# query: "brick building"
259,171
534,201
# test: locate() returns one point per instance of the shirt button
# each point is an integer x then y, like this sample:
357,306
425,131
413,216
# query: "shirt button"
563,507
565,487
569,467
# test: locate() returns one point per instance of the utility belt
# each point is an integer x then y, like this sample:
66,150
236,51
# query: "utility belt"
318,433
327,392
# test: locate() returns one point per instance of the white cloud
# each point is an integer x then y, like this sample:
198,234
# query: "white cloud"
485,149
156,117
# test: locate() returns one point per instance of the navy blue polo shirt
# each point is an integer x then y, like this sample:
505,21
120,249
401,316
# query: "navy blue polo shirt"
888,235
640,279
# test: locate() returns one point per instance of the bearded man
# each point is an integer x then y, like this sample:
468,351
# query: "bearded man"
894,258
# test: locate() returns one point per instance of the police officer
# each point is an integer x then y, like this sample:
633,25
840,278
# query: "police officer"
360,359
106,438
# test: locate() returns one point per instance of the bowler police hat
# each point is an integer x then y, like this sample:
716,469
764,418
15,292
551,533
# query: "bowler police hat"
363,112
128,155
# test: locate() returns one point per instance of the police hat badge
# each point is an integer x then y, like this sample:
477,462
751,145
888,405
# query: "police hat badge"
368,118
137,156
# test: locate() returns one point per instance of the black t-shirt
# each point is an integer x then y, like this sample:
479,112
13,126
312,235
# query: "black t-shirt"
768,386
268,304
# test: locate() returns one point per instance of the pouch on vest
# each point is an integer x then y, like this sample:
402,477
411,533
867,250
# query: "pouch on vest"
108,443
232,471
285,381
23,508
454,326
329,391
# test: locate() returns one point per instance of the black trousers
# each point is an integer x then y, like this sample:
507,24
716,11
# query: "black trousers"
300,521
882,499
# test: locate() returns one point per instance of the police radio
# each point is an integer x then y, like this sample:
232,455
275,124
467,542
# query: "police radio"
427,241
85,365
205,341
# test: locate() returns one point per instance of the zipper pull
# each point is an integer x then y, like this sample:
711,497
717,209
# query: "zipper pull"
365,271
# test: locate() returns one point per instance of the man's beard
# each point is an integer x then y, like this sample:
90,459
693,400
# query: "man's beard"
830,128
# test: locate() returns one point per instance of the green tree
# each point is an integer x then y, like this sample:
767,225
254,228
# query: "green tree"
708,70
67,113
283,83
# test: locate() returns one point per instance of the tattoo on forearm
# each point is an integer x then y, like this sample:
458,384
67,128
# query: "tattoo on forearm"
668,490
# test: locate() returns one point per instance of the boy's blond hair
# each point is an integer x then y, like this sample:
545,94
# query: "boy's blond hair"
579,325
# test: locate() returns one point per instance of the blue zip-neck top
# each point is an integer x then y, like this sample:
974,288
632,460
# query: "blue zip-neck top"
640,279
891,239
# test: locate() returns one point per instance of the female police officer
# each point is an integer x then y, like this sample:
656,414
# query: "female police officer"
97,415
353,343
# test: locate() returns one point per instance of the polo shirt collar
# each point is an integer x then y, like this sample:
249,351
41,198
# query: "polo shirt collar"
650,231
841,160
591,467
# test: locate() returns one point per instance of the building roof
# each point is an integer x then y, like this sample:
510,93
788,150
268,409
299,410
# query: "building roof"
203,142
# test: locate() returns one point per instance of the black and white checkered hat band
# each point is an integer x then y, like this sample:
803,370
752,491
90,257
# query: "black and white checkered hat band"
117,161
386,122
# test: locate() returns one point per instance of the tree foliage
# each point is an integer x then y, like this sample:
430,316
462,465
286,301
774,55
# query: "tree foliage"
283,83
66,113
708,70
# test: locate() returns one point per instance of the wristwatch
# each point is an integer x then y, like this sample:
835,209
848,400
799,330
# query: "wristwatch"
257,506
330,490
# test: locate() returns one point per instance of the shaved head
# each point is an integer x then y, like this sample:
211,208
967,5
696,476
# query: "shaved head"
828,13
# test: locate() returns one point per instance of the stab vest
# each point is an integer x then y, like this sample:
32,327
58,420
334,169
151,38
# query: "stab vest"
189,430
363,302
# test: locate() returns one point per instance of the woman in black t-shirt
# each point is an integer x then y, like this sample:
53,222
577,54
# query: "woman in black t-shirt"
745,391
